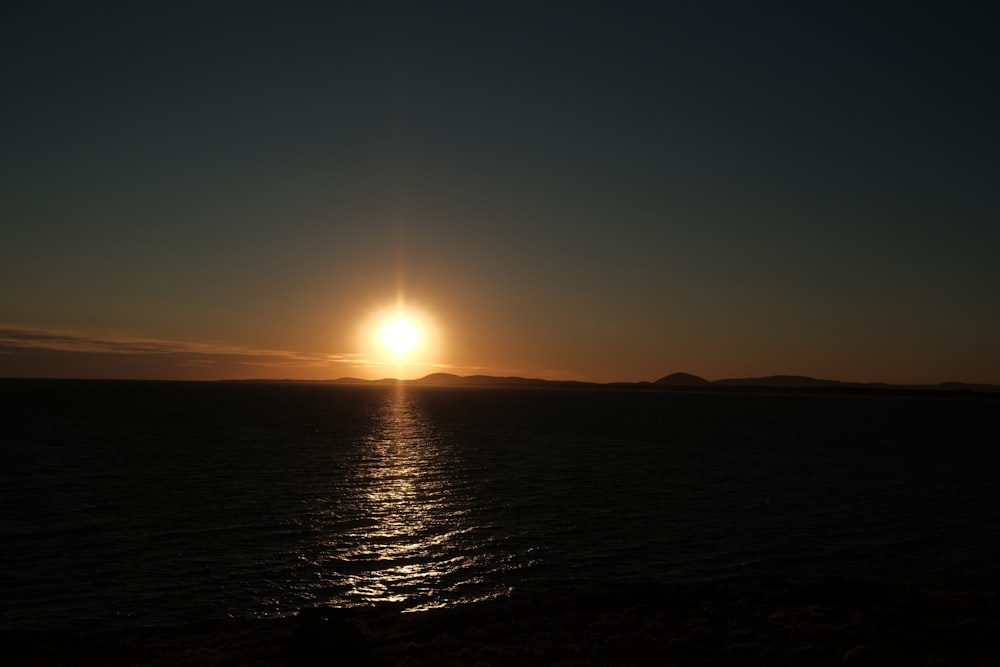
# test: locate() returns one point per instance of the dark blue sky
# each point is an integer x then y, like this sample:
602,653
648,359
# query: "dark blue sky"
593,191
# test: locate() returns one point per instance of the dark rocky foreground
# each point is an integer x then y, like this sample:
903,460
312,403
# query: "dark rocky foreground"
732,623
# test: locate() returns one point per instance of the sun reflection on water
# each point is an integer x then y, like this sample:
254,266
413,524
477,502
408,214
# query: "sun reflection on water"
404,531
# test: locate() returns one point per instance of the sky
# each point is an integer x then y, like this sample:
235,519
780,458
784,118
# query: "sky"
592,191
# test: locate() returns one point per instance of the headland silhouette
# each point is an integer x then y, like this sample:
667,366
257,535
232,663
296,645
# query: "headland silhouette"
688,382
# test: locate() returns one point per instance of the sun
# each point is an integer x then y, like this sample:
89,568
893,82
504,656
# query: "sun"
400,339
400,336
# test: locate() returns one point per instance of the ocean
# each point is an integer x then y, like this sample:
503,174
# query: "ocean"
129,504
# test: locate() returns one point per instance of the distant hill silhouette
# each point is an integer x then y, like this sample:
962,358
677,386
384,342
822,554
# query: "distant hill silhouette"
689,382
449,379
790,381
452,380
682,380
441,378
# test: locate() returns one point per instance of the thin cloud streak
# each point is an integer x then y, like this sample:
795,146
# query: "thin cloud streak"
28,341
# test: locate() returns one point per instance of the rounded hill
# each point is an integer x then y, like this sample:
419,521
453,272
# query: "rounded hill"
682,380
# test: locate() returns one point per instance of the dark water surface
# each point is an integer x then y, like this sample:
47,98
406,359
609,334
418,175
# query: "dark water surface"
143,503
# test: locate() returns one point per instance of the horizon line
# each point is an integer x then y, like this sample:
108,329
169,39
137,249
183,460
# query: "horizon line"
797,381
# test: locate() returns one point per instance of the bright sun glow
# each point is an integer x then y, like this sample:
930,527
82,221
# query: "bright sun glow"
400,340
400,336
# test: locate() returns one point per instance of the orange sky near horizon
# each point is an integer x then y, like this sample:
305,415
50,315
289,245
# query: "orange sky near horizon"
63,354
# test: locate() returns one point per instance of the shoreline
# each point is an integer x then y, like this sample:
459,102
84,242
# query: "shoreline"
833,622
